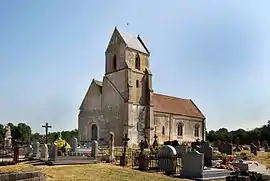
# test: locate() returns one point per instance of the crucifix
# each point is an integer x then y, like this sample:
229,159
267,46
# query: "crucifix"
125,139
46,126
155,144
145,139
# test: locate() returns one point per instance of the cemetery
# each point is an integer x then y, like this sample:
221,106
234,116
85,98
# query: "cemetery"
198,160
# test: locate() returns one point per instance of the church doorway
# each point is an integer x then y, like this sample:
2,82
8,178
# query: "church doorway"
94,132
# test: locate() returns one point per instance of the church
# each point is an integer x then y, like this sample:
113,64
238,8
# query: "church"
124,102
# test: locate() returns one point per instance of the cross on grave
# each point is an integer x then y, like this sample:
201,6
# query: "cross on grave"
46,126
145,139
155,143
125,139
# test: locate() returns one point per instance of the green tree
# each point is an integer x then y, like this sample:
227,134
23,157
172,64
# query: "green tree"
2,132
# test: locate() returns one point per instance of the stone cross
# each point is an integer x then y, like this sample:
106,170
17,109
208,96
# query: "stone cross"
145,140
123,158
142,146
155,143
46,126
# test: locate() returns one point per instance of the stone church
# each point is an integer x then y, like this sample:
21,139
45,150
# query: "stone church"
124,102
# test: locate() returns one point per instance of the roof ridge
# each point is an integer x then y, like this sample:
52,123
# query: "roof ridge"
188,99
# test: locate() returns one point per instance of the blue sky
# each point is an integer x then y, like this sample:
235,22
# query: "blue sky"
214,52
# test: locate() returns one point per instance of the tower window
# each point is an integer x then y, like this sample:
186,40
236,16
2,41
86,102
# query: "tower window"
114,62
163,130
137,62
137,83
180,129
197,130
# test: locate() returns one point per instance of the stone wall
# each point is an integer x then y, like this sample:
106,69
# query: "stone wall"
170,123
23,176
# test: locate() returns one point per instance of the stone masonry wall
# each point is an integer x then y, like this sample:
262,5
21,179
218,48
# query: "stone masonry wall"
170,123
23,176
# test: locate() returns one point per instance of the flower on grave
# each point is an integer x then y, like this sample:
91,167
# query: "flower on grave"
62,143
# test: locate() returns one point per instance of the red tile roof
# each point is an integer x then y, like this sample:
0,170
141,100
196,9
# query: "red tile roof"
175,105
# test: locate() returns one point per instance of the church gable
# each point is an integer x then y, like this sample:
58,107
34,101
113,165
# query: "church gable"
92,99
130,41
175,105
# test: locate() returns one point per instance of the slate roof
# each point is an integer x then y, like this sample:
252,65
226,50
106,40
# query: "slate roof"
175,105
133,42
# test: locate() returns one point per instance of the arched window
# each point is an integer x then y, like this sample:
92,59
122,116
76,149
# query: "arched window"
114,62
137,62
94,132
180,129
163,130
137,83
197,130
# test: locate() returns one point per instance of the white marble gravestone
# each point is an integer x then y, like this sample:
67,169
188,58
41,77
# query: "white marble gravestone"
111,146
167,159
44,152
36,152
8,137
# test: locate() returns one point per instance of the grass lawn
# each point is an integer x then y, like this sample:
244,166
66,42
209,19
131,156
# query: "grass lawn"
95,172
101,172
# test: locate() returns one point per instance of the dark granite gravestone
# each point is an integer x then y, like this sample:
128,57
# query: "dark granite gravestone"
253,149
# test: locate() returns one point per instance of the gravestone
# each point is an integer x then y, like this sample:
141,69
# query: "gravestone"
94,150
123,158
167,159
193,168
226,148
143,162
8,137
29,153
74,145
237,148
181,149
111,146
36,151
53,152
193,164
253,149
258,145
207,150
265,145
251,166
44,152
